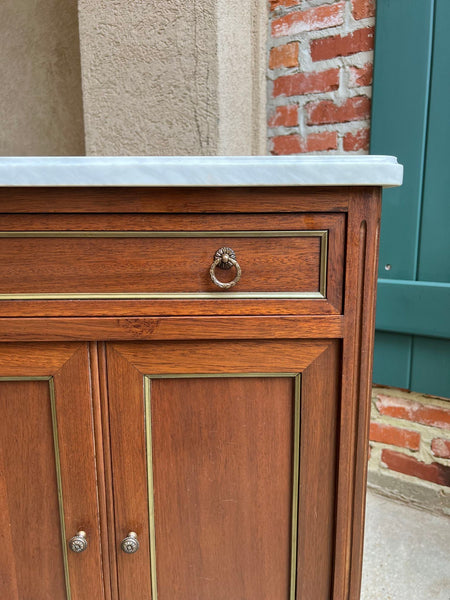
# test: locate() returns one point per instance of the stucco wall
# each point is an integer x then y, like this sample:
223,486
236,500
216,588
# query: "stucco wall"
40,100
242,51
172,77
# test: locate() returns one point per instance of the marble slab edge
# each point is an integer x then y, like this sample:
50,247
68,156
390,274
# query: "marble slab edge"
200,171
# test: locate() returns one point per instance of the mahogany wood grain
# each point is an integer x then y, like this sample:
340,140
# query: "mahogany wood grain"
222,464
221,356
149,265
78,473
102,459
128,362
170,328
34,359
30,508
317,494
129,472
360,285
167,265
111,545
163,308
8,577
367,299
173,200
172,222
31,472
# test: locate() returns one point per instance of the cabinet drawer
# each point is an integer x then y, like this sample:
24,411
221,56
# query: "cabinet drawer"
279,264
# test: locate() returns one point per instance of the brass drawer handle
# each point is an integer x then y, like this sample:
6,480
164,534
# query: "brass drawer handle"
130,544
79,542
225,258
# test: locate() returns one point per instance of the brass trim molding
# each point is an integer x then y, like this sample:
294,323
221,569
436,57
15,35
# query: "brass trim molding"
150,487
163,234
20,378
51,388
295,486
295,465
322,234
59,485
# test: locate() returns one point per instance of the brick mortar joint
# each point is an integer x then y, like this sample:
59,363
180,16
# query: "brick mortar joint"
342,129
421,455
358,61
319,34
348,26
397,393
434,430
428,431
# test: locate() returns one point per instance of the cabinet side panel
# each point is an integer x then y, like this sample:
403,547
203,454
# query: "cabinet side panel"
359,325
223,463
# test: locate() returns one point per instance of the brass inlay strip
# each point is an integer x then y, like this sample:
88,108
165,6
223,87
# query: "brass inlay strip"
163,234
295,488
322,234
151,496
25,378
323,269
169,296
221,375
59,485
295,465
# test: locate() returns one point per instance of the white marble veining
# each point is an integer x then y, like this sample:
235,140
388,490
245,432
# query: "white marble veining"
201,171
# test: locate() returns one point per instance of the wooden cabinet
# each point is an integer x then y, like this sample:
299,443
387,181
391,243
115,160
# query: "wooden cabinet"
225,428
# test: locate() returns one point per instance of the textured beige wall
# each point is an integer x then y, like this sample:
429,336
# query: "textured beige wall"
173,77
40,99
242,28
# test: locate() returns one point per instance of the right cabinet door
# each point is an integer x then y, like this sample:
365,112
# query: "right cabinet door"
223,457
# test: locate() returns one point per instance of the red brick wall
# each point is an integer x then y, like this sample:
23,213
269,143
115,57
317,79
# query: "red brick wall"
320,72
410,435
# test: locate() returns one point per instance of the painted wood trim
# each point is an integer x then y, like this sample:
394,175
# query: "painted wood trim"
414,307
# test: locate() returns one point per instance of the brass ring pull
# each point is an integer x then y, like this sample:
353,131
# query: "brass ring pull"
79,542
225,258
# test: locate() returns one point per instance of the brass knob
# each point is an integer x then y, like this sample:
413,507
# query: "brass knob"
225,258
130,544
79,542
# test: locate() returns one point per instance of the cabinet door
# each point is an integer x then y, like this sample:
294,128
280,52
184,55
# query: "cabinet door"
223,457
47,474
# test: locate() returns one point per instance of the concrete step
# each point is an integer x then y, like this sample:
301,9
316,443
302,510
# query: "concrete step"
406,552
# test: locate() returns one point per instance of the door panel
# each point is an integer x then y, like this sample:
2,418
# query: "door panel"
222,471
29,477
232,432
47,473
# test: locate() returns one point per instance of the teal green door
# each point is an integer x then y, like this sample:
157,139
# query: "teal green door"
411,120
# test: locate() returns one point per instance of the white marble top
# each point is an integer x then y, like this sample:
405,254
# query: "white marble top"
200,171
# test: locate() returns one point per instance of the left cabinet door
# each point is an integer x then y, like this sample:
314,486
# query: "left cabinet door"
48,489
